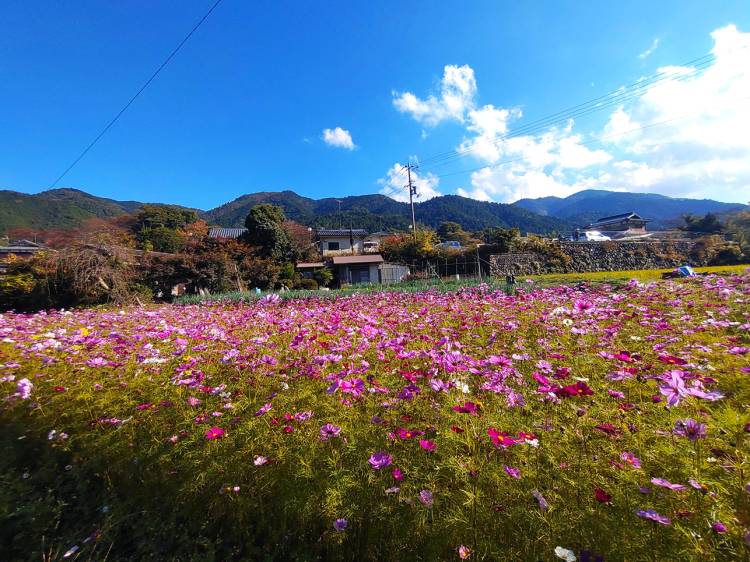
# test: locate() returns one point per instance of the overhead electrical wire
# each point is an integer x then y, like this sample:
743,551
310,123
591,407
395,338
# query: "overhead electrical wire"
616,97
138,93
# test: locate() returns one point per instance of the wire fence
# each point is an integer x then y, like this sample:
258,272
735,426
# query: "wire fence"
463,267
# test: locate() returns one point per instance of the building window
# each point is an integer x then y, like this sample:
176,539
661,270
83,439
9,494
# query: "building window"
333,245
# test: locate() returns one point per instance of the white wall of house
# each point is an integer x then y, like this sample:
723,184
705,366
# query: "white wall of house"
331,246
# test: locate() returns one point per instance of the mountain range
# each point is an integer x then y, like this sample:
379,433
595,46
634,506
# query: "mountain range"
68,208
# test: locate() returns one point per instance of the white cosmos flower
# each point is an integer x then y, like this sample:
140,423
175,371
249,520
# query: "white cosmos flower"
565,554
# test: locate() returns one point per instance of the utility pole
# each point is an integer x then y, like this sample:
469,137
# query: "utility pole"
412,193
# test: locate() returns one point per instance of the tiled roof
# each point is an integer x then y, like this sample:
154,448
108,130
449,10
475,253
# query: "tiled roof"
220,232
621,216
342,232
367,258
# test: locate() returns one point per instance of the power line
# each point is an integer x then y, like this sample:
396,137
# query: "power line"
138,93
592,141
615,97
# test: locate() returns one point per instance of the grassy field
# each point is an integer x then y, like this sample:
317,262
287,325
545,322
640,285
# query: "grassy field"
451,284
643,275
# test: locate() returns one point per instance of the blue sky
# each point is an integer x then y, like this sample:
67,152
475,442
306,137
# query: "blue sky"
244,106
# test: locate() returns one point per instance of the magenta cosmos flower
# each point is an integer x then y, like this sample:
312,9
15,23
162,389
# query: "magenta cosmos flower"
214,433
380,459
428,445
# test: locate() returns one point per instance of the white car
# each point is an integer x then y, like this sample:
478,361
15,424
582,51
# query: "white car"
595,236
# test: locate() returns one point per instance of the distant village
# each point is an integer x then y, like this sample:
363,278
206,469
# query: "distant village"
353,255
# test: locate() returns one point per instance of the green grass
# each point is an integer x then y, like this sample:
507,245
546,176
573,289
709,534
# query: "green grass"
643,275
451,284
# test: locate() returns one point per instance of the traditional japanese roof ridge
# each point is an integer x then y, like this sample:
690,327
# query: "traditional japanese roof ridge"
630,215
221,232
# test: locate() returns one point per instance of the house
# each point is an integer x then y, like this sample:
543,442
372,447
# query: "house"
352,270
341,242
224,233
307,269
18,249
372,241
624,225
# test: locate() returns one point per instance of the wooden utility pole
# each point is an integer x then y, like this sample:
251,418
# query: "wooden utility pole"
412,192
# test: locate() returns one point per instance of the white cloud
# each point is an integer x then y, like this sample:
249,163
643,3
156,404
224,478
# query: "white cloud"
686,137
647,53
338,137
458,89
394,184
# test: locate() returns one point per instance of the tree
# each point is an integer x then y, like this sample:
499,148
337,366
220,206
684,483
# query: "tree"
502,238
739,227
403,247
265,231
161,227
707,224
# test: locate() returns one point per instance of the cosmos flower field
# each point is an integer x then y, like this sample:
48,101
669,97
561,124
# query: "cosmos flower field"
573,423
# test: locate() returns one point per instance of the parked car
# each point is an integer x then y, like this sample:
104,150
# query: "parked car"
451,244
593,236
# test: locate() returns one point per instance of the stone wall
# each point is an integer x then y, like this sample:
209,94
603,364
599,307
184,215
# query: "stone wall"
596,256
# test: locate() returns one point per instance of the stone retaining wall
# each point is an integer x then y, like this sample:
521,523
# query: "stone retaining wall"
580,257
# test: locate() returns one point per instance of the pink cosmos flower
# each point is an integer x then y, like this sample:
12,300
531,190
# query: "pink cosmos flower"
24,388
214,433
667,484
464,552
690,428
379,460
543,505
263,410
329,431
674,389
511,471
653,516
697,485
630,459
428,445
260,460
426,497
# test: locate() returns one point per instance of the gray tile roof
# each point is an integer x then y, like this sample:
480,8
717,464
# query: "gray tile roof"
341,232
221,232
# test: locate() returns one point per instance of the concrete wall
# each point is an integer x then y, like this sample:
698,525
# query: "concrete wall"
596,256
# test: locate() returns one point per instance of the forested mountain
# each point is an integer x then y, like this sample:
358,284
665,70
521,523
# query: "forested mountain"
586,206
68,208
